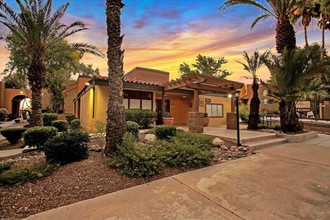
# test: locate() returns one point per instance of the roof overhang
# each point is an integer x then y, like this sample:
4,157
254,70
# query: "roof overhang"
202,82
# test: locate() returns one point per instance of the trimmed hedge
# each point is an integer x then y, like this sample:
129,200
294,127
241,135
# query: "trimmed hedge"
145,118
70,117
75,124
132,128
165,132
67,147
37,136
48,118
61,125
13,135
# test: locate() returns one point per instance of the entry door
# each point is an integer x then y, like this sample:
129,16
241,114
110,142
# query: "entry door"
159,110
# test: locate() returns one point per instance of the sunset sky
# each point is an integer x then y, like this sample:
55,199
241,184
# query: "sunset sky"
163,34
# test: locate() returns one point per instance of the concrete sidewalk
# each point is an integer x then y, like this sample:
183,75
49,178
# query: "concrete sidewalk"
289,181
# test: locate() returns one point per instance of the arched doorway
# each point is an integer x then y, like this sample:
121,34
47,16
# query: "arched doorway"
20,102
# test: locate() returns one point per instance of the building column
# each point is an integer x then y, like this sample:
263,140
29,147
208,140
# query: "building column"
163,104
196,101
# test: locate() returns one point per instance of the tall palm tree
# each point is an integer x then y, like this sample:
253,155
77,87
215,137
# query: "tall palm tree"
324,21
252,64
280,10
116,126
39,30
291,74
304,10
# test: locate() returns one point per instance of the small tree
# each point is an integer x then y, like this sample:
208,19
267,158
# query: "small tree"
205,65
253,63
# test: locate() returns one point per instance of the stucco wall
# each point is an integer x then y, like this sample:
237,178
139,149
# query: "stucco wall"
86,111
68,101
226,102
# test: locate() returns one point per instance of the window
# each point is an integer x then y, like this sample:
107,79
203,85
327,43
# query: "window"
138,99
214,110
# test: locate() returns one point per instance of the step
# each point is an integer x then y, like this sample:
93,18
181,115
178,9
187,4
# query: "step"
256,138
257,145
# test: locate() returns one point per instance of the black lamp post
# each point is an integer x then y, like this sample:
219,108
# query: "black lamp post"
237,117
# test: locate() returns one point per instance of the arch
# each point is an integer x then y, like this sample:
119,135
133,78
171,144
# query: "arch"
16,104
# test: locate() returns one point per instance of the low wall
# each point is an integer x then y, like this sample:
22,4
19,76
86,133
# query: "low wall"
297,138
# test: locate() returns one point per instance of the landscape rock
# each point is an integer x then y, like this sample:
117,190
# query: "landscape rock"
233,148
223,147
27,148
217,142
150,138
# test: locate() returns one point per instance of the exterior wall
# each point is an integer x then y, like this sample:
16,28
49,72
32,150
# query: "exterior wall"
226,103
68,100
86,111
148,75
10,94
101,103
179,107
45,98
2,94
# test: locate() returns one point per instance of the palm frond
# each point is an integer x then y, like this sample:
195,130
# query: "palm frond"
261,17
86,48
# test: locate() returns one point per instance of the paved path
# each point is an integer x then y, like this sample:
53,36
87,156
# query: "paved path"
7,153
289,181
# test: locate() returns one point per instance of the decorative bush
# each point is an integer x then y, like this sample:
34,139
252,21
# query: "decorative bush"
3,114
13,135
132,128
70,117
135,160
165,132
244,113
49,118
21,175
67,147
37,136
5,166
203,142
61,125
145,118
75,124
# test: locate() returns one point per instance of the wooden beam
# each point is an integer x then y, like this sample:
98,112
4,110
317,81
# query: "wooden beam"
209,88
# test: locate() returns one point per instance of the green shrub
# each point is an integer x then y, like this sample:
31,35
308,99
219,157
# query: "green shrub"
67,147
137,160
145,118
132,128
49,118
22,175
13,135
244,113
179,154
203,142
70,117
75,124
5,166
37,136
61,125
165,132
3,114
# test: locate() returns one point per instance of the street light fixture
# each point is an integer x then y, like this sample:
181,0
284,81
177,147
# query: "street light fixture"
237,117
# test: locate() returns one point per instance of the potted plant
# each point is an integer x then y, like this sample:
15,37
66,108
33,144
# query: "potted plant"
168,119
206,120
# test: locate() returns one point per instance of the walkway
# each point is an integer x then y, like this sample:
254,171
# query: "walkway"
289,181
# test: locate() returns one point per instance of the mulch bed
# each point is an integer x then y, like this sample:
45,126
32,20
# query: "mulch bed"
78,181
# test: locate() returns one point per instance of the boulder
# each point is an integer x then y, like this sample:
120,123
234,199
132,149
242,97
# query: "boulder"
150,138
224,148
217,142
27,148
233,148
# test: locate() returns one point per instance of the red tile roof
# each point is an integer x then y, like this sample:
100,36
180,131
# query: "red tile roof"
131,80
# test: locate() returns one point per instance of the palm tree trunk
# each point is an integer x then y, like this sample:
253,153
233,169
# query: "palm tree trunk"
285,35
305,33
293,124
323,38
254,107
283,115
37,78
116,126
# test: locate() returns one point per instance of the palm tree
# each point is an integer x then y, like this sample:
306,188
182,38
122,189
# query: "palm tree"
304,10
324,21
116,126
291,74
280,10
252,64
39,30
